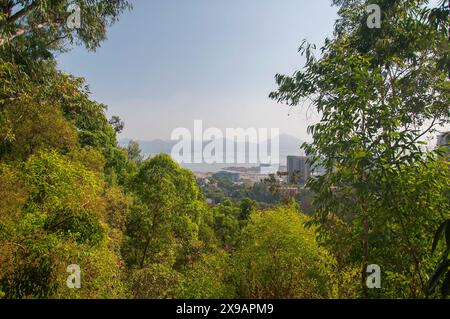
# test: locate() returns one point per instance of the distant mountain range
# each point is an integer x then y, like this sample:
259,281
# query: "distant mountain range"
288,145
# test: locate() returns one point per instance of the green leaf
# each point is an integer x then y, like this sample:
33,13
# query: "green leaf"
445,290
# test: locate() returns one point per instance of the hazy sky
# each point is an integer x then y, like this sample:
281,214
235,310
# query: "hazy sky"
167,63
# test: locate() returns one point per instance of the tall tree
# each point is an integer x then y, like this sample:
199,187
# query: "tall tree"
379,92
163,226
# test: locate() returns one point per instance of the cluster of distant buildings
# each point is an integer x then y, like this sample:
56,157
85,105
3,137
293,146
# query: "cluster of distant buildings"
295,174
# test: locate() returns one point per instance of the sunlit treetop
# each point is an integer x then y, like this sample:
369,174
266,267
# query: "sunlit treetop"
53,25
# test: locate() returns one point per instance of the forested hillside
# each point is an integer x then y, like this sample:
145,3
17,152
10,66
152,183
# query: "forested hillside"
143,229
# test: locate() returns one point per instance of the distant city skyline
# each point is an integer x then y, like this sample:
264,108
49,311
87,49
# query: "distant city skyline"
168,63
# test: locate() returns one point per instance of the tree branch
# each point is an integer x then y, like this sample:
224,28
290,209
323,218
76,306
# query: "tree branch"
22,13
